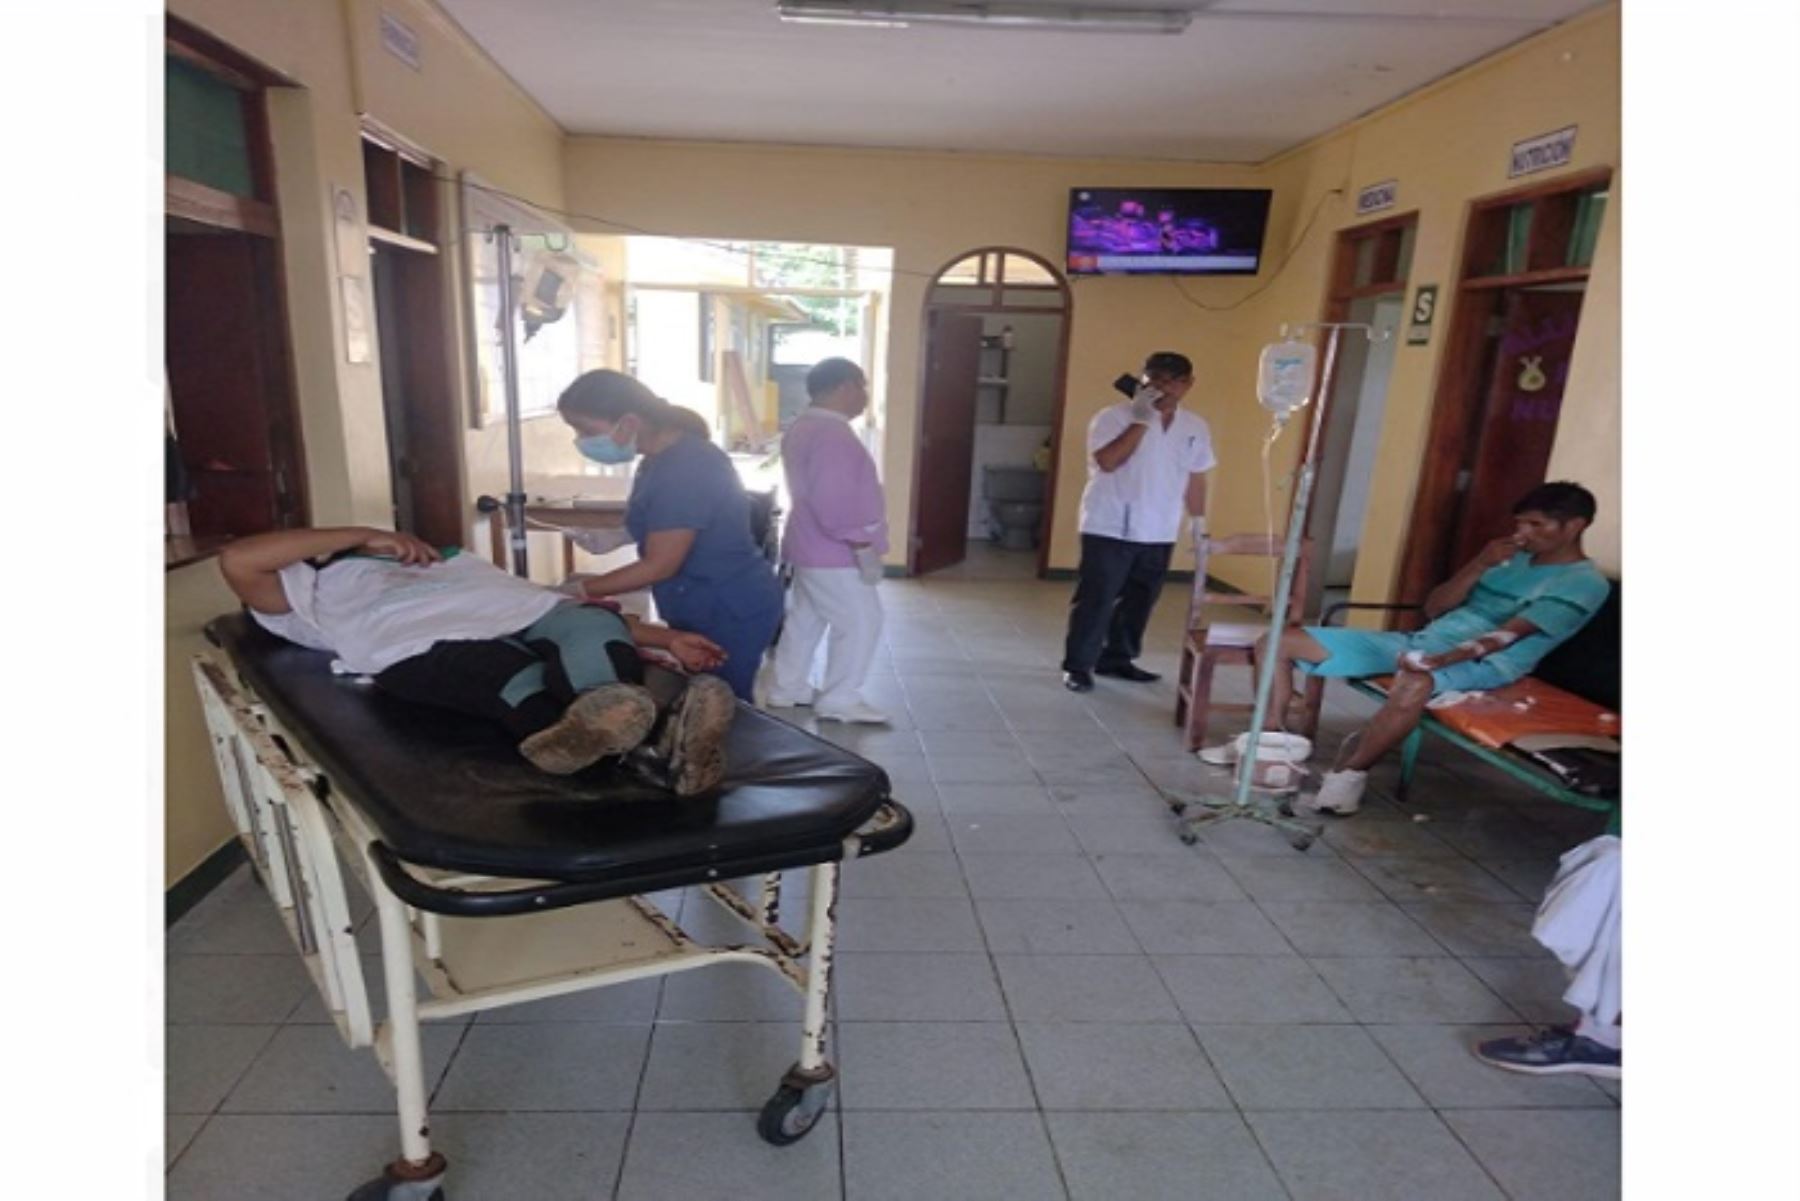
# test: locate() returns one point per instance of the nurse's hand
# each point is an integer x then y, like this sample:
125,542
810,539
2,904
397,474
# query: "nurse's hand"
415,552
696,652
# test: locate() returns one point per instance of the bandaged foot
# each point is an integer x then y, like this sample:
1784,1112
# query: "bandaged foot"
608,720
1340,792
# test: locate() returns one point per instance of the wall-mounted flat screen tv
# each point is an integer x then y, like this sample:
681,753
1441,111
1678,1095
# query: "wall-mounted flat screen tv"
1166,231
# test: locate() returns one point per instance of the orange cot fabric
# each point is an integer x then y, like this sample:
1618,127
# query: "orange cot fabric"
1522,708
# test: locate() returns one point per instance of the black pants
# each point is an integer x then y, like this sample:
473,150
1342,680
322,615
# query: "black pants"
1118,586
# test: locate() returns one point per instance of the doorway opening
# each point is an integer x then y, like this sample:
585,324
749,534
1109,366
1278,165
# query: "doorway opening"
1368,285
1526,257
996,355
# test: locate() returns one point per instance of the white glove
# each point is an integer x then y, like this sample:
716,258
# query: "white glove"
600,542
868,564
573,586
1143,404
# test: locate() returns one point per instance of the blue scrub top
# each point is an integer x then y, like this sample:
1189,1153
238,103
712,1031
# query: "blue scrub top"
726,585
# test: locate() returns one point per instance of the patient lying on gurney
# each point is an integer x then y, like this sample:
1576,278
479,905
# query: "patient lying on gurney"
564,678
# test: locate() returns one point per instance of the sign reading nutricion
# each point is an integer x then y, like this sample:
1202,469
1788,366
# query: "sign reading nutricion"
1542,153
1377,196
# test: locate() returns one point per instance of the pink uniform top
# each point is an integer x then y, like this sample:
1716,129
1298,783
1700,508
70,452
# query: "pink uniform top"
834,494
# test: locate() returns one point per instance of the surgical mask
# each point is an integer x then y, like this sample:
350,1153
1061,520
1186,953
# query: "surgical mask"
602,449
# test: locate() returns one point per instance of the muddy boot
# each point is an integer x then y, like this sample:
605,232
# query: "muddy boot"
687,754
608,720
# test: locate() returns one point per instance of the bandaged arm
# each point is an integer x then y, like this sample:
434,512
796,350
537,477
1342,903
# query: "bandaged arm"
1478,647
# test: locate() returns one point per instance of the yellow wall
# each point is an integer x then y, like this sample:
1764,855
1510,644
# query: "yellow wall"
195,823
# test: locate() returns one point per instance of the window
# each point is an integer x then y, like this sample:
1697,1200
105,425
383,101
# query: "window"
709,339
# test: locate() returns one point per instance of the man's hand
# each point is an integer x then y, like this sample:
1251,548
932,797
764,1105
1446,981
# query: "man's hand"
696,652
1499,551
1143,404
414,552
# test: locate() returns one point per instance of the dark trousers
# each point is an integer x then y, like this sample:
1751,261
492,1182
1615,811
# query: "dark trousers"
1118,586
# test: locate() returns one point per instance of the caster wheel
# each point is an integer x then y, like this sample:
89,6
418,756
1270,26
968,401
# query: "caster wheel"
1300,842
386,1188
1189,838
791,1113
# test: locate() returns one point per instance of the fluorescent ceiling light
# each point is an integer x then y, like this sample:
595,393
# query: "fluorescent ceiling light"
1065,18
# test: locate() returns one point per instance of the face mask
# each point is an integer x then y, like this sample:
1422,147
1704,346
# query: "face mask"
602,449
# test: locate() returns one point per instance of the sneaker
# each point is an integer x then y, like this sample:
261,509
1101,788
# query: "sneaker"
608,720
1340,792
1556,1050
788,700
691,745
857,712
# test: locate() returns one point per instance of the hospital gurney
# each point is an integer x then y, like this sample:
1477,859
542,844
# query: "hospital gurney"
501,884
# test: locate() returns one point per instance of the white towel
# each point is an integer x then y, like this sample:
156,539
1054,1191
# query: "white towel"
1579,923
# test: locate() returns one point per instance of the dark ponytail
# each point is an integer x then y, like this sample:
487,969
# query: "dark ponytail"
609,395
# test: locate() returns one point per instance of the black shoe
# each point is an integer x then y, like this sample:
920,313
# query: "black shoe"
1128,671
1078,681
1550,1052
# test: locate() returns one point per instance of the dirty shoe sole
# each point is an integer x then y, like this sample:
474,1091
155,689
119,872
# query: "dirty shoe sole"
609,720
694,739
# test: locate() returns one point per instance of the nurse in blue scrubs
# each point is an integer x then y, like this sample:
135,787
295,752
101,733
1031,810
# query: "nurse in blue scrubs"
688,514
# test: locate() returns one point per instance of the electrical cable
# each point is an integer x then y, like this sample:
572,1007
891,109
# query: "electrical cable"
1275,275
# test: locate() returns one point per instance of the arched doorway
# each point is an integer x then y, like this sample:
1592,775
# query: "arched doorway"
996,351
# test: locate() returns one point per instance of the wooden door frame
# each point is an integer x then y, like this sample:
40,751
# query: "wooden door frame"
1059,385
1456,395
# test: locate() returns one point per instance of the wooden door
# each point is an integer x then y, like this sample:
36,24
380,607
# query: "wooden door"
423,426
1511,448
947,440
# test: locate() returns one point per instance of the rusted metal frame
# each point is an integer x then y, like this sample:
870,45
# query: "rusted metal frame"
764,919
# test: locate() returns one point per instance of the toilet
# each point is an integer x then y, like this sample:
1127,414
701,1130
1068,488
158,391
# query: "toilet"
1015,504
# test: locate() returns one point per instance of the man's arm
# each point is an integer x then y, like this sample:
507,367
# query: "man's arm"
1479,647
1114,454
1196,494
252,566
1455,590
696,652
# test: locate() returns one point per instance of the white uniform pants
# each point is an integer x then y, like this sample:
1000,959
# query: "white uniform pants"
834,599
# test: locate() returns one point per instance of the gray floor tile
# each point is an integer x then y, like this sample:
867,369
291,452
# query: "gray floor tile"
906,873
908,924
1084,988
969,742
987,767
1412,878
179,1130
236,918
1025,877
1047,927
567,1066
1186,876
729,992
1362,839
1530,878
1248,838
1441,1061
1001,834
1395,990
249,990
683,1156
308,1069
1534,987
1546,1156
204,1062
962,800
948,1157
1298,878
1487,836
1249,988
1203,928
290,1157
935,714
1337,928
1080,769
1161,1157
1083,1065
917,988
1153,833
543,1156
1306,1067
1493,931
932,1065
1126,798
633,1003
1361,1156
717,1065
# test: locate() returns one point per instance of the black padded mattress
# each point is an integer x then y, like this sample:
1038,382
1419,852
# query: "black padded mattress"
449,791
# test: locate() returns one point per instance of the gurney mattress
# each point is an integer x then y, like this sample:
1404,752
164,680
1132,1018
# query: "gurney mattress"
451,792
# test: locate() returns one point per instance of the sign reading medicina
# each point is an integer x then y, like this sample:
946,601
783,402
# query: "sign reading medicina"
1376,197
1541,153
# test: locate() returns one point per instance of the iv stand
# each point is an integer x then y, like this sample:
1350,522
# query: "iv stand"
509,360
1242,805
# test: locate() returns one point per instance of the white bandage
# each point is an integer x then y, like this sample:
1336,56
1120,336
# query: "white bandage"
1489,643
1414,661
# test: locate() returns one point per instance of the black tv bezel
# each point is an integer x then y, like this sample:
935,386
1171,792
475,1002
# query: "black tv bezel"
1261,242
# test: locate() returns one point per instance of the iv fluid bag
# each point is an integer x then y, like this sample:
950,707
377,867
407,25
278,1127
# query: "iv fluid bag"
1284,376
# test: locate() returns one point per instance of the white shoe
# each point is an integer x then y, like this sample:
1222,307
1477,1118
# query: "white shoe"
1340,792
782,700
857,712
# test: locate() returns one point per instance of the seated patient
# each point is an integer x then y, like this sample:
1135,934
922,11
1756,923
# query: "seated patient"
451,630
1490,624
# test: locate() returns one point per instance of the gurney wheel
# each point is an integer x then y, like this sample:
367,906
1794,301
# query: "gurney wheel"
791,1113
388,1188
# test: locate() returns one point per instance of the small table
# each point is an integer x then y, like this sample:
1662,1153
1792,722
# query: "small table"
574,502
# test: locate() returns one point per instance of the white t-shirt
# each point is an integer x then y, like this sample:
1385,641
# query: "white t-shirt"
1143,501
372,613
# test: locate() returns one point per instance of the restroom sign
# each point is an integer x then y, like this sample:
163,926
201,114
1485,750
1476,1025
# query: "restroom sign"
1424,308
1377,196
1542,153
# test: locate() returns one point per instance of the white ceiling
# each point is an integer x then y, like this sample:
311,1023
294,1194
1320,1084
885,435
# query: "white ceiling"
1248,79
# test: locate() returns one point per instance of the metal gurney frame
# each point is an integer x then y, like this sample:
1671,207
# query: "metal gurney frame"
562,937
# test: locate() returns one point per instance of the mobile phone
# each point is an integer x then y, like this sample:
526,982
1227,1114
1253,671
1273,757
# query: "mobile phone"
1128,384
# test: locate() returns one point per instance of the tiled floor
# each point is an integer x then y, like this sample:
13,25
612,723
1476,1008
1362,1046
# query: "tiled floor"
1044,995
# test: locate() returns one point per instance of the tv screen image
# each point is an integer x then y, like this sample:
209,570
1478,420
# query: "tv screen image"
1166,231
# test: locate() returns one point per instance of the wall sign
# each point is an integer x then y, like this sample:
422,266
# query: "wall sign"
1377,196
1424,308
1542,153
400,40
